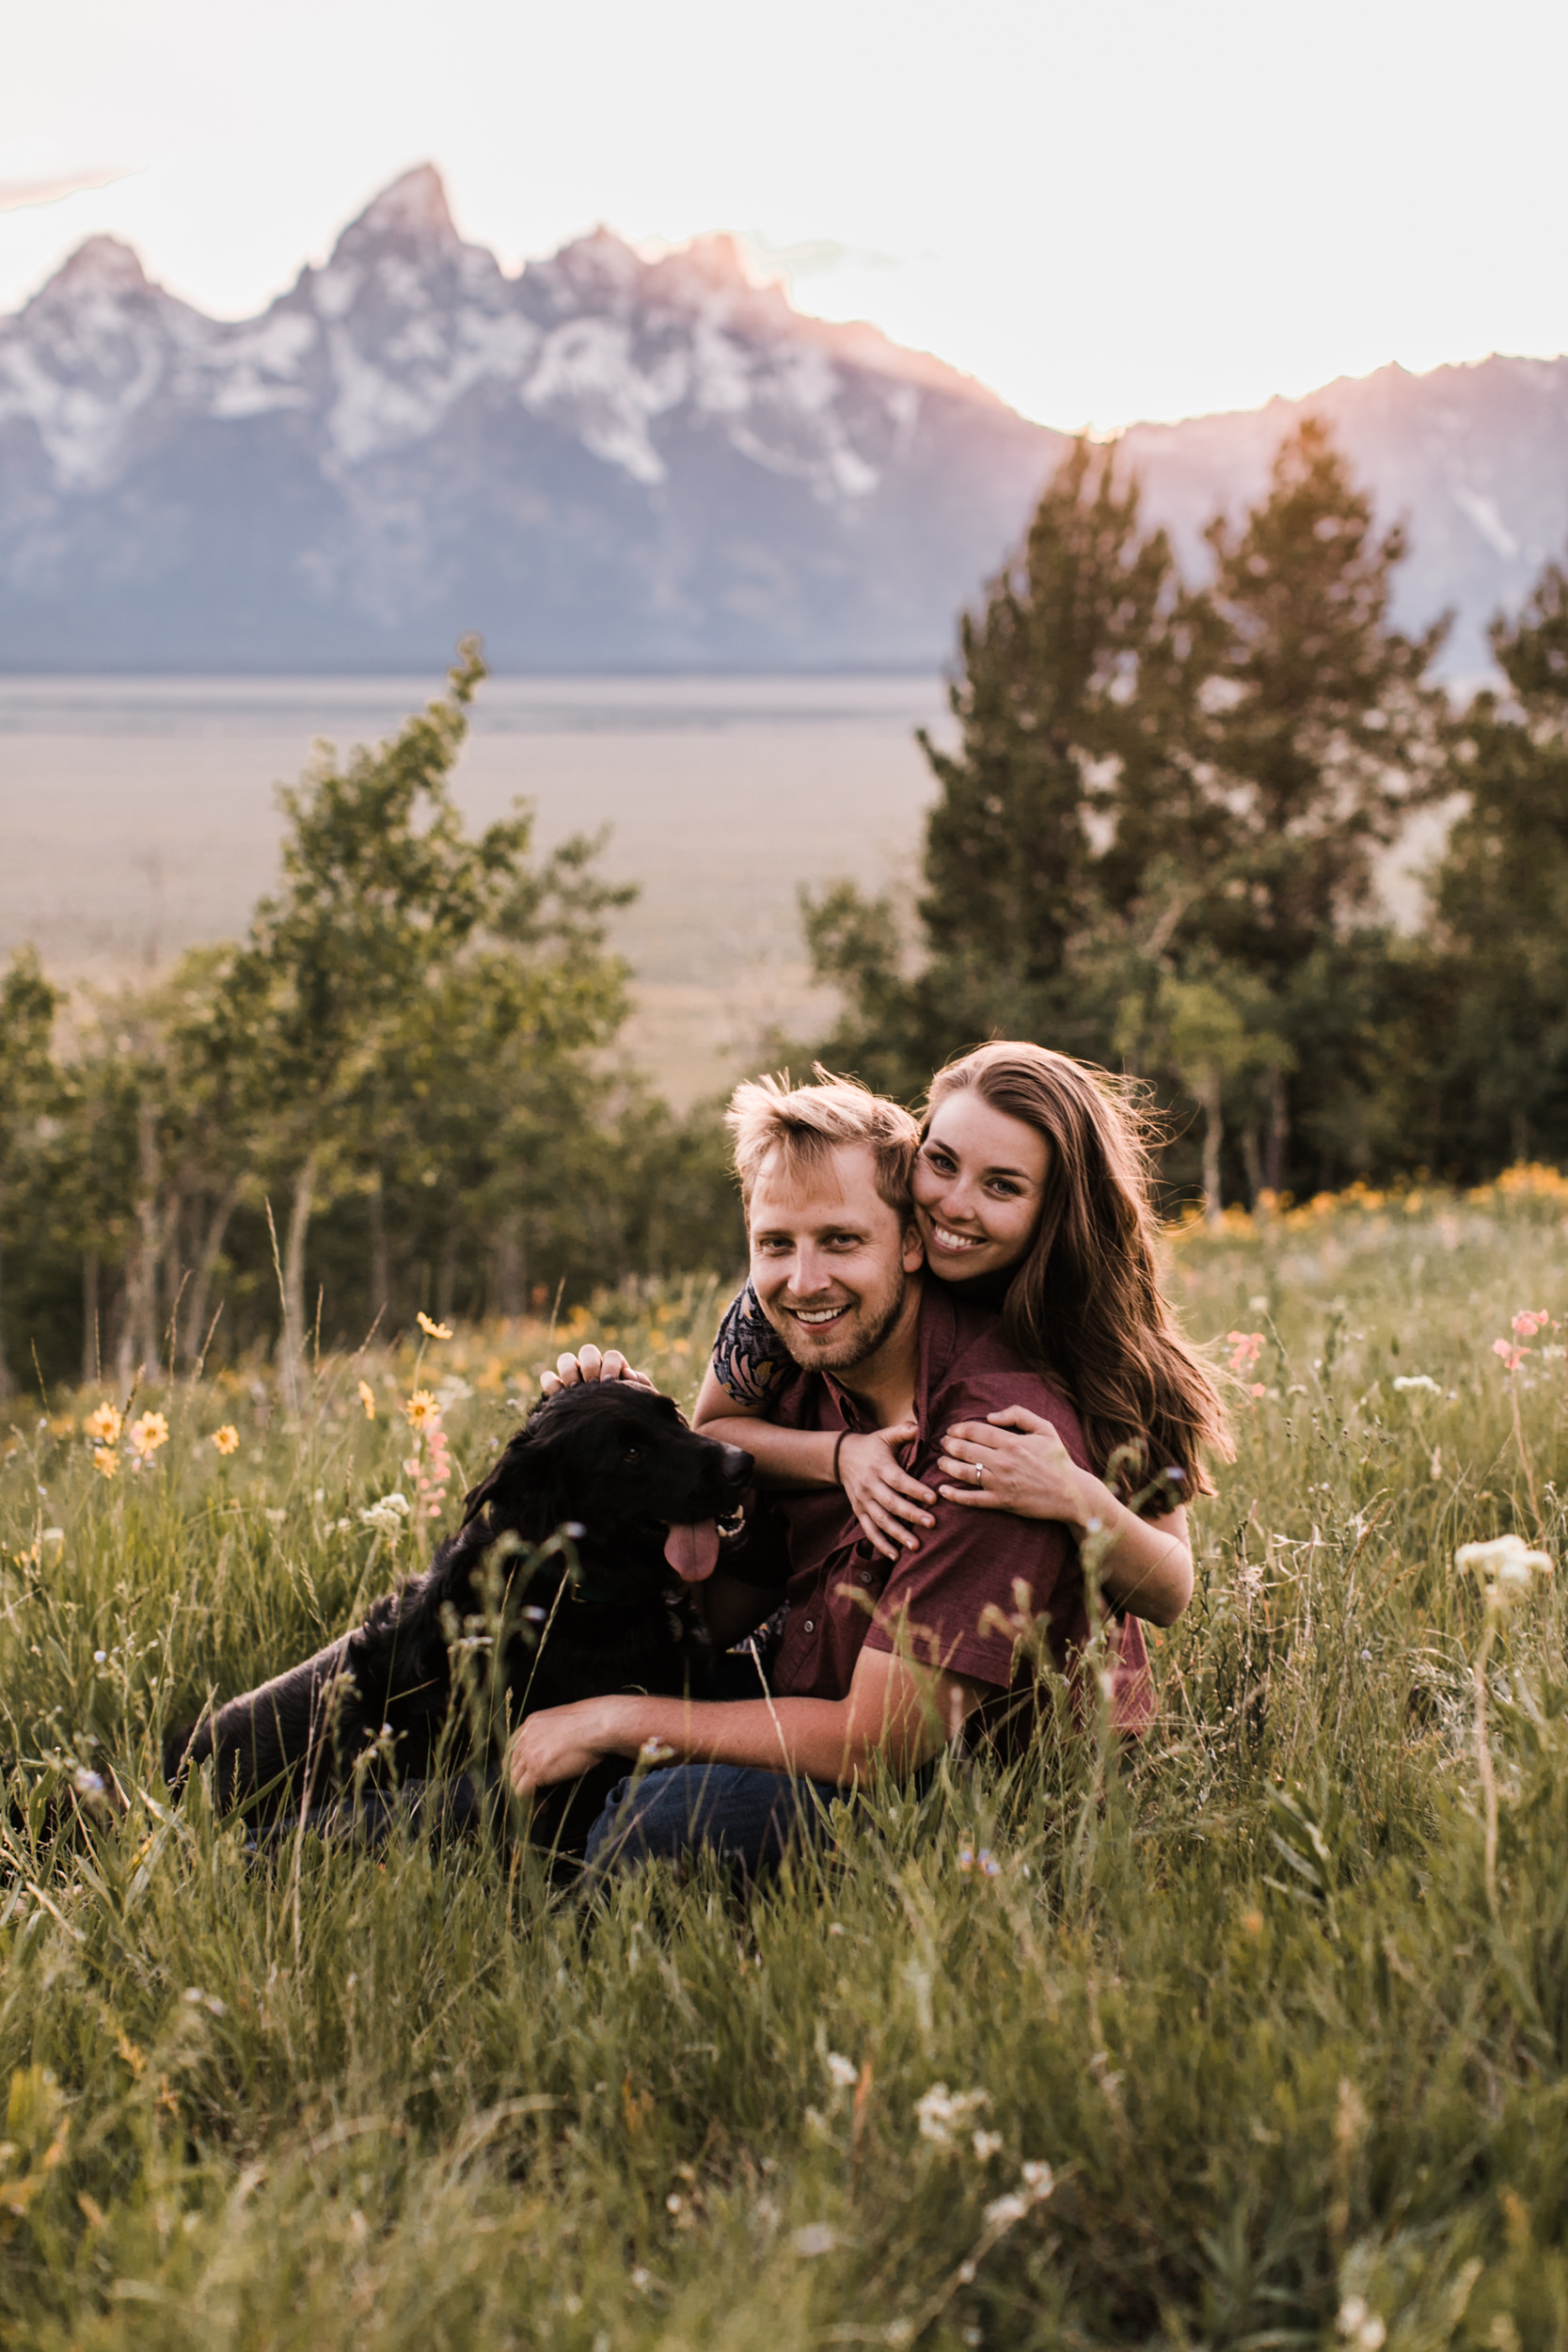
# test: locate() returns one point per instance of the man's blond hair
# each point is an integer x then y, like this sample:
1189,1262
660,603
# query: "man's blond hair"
803,1124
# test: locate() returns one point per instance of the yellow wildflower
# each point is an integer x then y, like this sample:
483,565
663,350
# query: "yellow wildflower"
102,1426
432,1330
148,1434
105,1461
422,1410
367,1398
227,1439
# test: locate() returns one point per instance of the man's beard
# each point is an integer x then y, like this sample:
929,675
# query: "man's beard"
866,1331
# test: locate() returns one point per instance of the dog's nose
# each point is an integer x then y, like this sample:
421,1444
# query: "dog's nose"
738,1463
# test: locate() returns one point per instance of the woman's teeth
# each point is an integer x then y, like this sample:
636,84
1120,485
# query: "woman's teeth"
947,1240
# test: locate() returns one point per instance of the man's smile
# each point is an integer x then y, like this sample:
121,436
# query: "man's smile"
814,1318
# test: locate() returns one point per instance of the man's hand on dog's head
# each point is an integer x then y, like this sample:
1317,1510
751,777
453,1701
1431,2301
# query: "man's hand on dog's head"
588,1364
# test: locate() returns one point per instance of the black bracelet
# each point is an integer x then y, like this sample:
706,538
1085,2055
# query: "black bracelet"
837,1450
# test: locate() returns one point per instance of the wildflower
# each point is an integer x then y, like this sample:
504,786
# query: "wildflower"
432,1330
387,1516
1038,2180
987,2144
367,1398
227,1439
422,1410
1003,2211
1246,1347
147,1435
102,1426
940,2109
105,1461
1417,1380
1511,1564
816,2238
1512,1357
1529,1321
842,2072
1360,2325
89,1785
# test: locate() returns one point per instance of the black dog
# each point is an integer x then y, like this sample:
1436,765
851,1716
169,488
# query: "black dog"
637,1494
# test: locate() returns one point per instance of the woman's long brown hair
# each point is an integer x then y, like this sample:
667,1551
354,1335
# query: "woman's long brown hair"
1085,1307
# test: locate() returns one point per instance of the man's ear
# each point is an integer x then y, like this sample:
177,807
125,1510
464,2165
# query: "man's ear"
913,1250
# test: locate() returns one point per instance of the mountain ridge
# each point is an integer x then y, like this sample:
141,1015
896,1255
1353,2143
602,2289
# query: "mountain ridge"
607,461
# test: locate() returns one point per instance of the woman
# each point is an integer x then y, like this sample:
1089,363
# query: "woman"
1033,1192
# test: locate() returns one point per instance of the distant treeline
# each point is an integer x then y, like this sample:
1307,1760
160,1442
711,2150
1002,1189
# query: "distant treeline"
396,1092
1155,846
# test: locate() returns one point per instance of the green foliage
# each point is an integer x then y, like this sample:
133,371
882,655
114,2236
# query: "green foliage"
1155,843
1502,895
395,1091
27,1078
1242,1994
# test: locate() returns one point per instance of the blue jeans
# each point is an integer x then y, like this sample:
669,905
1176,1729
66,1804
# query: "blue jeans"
744,1817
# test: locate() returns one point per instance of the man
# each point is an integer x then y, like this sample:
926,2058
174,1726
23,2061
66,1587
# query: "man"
878,1661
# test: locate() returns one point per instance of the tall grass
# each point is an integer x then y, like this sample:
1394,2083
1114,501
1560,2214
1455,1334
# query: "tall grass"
1242,1994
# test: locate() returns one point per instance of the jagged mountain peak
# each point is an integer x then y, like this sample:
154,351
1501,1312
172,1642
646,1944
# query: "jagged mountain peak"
101,265
413,205
616,455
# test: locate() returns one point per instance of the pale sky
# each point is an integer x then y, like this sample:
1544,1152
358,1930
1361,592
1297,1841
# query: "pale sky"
1111,210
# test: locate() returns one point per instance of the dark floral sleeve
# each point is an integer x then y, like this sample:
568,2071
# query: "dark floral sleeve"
748,1355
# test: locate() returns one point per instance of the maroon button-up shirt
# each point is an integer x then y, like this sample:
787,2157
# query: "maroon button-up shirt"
954,1601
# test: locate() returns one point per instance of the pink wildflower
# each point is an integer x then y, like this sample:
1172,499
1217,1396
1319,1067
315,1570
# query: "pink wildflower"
1512,1357
1246,1347
1529,1321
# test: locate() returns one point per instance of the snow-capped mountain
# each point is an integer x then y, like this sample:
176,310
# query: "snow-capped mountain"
601,462
608,462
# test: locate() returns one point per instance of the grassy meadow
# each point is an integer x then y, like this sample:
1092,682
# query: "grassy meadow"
1232,2042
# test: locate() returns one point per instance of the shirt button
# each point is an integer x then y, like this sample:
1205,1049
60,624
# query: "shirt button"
811,1625
866,1575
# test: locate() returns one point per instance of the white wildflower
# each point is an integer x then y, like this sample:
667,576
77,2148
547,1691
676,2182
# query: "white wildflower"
387,1515
842,2073
1360,2325
1509,1561
941,2110
987,2144
816,2238
1418,1380
1038,2180
1003,2211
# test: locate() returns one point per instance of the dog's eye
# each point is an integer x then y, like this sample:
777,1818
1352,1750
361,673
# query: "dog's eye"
633,1452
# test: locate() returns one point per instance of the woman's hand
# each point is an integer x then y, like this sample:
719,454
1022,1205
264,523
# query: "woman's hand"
588,1364
560,1744
1024,1468
888,1502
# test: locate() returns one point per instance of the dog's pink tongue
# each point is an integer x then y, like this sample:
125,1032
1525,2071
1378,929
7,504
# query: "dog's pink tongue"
694,1552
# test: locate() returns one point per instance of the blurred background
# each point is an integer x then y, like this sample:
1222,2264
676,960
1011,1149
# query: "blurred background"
712,369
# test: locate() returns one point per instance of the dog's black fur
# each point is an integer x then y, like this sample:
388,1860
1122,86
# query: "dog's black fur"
611,1465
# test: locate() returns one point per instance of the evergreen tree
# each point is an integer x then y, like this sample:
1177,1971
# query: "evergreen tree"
1323,729
1502,895
1071,781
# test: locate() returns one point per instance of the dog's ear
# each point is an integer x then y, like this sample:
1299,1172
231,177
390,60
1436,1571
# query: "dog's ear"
527,1491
